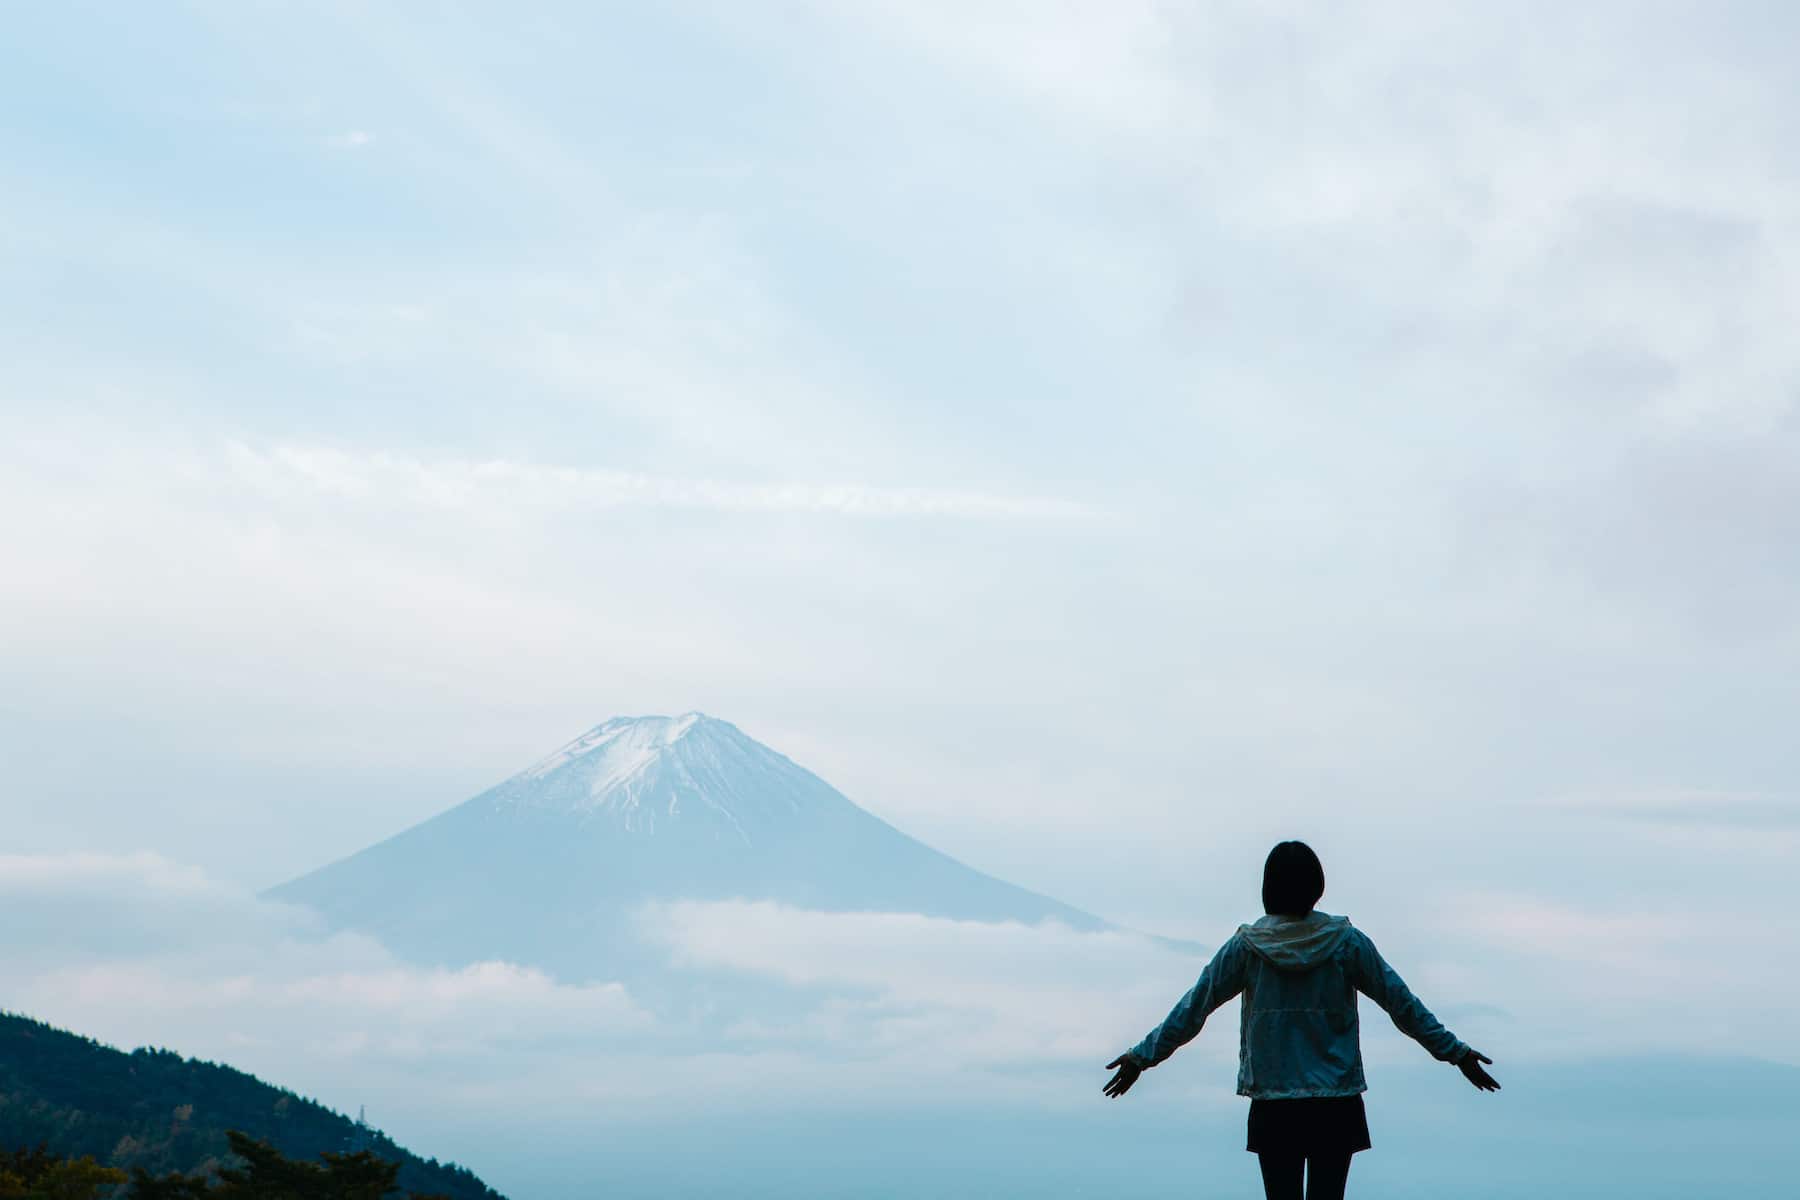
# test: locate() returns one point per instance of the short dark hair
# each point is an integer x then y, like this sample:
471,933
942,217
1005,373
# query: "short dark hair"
1293,879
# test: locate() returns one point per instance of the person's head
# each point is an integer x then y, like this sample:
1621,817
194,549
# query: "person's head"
1293,880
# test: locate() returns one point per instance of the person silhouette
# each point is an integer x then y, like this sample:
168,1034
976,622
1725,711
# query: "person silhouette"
1299,1055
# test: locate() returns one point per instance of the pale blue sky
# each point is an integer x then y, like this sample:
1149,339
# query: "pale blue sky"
1101,439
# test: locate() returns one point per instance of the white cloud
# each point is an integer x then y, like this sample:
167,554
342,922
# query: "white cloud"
1110,65
351,139
78,873
892,1007
1768,818
942,990
86,907
137,950
1655,973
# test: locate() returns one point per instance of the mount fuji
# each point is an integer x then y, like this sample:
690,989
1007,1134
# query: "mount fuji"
547,868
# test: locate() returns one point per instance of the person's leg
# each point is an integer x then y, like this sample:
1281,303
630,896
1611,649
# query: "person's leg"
1326,1175
1281,1174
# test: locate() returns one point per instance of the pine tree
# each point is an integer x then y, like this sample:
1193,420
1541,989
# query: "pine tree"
173,1186
266,1175
360,1176
39,1175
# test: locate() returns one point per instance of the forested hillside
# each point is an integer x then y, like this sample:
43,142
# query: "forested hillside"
160,1112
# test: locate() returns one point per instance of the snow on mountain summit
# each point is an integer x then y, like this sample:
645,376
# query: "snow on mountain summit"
650,772
624,746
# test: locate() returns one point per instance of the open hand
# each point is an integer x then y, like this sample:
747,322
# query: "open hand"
1470,1066
1128,1074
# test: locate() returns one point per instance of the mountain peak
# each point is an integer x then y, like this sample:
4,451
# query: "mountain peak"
650,772
625,746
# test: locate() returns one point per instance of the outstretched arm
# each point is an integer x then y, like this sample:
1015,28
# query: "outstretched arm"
1222,979
1382,984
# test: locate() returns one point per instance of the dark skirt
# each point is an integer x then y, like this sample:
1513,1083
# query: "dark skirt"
1310,1125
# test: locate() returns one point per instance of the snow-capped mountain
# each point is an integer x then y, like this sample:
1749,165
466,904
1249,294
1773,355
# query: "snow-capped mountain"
683,774
549,867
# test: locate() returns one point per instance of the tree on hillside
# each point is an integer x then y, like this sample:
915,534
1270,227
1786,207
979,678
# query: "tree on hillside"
164,1115
173,1186
267,1175
39,1175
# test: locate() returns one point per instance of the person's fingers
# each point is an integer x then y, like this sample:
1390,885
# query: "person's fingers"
1484,1058
1127,1075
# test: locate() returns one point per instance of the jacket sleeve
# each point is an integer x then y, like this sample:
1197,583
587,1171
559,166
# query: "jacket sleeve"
1382,984
1222,979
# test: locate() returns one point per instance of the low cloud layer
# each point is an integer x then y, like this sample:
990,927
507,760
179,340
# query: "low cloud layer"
760,1003
136,950
998,995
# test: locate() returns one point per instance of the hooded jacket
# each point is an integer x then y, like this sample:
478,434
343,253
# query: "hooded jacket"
1297,1035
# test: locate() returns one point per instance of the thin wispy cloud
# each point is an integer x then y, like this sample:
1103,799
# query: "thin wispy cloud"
1746,812
461,484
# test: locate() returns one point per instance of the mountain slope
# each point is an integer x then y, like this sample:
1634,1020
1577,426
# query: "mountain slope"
157,1110
548,867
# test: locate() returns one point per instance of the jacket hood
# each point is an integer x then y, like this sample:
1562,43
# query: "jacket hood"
1295,943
